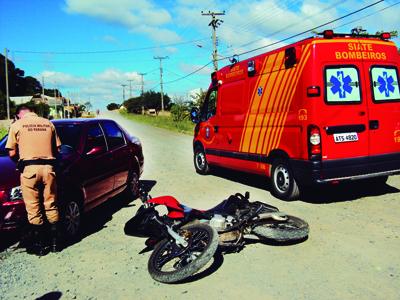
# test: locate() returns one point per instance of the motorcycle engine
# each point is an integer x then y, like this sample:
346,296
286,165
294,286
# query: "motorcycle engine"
218,222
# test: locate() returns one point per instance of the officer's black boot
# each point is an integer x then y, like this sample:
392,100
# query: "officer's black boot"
55,245
37,246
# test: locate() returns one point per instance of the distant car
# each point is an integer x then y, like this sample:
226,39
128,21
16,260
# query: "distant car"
98,159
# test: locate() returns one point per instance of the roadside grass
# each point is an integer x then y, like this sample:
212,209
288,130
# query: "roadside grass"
165,122
3,132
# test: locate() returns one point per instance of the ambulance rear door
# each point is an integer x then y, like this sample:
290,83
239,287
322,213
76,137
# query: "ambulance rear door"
344,115
383,93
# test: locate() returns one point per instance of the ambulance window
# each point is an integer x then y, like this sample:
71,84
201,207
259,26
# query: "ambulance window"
342,85
210,105
385,84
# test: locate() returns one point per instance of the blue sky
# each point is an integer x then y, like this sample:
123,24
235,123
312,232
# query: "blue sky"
173,28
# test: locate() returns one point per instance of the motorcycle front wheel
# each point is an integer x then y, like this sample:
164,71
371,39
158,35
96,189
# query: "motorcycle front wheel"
292,229
171,263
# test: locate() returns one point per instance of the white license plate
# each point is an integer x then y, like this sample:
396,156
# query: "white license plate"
345,137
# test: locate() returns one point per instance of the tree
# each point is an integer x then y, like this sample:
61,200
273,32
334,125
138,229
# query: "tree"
3,107
88,106
52,92
40,108
149,100
198,98
20,85
113,106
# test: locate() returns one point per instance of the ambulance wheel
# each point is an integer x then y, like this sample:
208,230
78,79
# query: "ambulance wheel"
200,161
283,186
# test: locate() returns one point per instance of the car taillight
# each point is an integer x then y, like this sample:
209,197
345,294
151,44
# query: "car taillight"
3,196
314,142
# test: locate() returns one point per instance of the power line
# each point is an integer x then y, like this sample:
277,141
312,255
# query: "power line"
283,40
190,74
297,23
367,16
308,30
110,51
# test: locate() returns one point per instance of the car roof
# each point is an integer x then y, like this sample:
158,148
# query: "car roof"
78,121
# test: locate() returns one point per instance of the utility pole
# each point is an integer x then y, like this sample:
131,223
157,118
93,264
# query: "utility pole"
161,79
142,82
42,88
7,91
123,91
130,88
55,100
214,25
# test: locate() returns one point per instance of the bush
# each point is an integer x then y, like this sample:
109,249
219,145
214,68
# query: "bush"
113,106
179,112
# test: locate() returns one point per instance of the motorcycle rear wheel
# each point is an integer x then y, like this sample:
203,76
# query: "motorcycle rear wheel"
184,262
293,229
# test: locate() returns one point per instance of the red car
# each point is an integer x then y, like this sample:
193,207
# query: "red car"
98,160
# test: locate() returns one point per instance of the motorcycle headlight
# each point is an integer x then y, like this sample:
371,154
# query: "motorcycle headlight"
15,193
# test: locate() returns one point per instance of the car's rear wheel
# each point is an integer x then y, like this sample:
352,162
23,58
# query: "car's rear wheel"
133,185
72,219
200,161
284,185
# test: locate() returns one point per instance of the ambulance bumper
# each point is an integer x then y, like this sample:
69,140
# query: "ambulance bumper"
311,172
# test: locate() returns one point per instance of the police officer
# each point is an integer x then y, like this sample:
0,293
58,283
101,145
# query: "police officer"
33,141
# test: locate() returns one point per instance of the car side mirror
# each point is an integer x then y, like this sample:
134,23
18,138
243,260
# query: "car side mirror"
66,150
96,151
195,115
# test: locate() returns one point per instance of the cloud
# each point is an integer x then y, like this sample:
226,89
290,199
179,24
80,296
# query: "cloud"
101,87
139,16
109,39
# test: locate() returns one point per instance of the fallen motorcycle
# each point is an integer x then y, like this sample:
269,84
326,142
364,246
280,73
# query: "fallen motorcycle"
186,239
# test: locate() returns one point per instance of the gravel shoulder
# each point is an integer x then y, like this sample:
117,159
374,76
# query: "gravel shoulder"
352,252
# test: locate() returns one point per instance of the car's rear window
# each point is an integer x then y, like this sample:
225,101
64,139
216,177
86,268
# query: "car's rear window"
342,85
69,134
385,83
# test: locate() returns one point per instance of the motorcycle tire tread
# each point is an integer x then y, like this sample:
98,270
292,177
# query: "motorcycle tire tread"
191,268
283,234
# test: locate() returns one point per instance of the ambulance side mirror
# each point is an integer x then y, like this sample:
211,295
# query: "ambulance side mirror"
195,115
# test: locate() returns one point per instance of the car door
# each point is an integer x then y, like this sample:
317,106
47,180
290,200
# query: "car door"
98,179
120,152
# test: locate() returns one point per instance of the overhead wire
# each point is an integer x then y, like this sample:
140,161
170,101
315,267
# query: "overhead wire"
280,41
297,23
109,51
305,31
367,16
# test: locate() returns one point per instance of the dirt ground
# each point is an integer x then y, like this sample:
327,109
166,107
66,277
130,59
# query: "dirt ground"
352,252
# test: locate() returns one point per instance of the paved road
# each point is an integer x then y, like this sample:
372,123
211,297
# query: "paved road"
352,252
